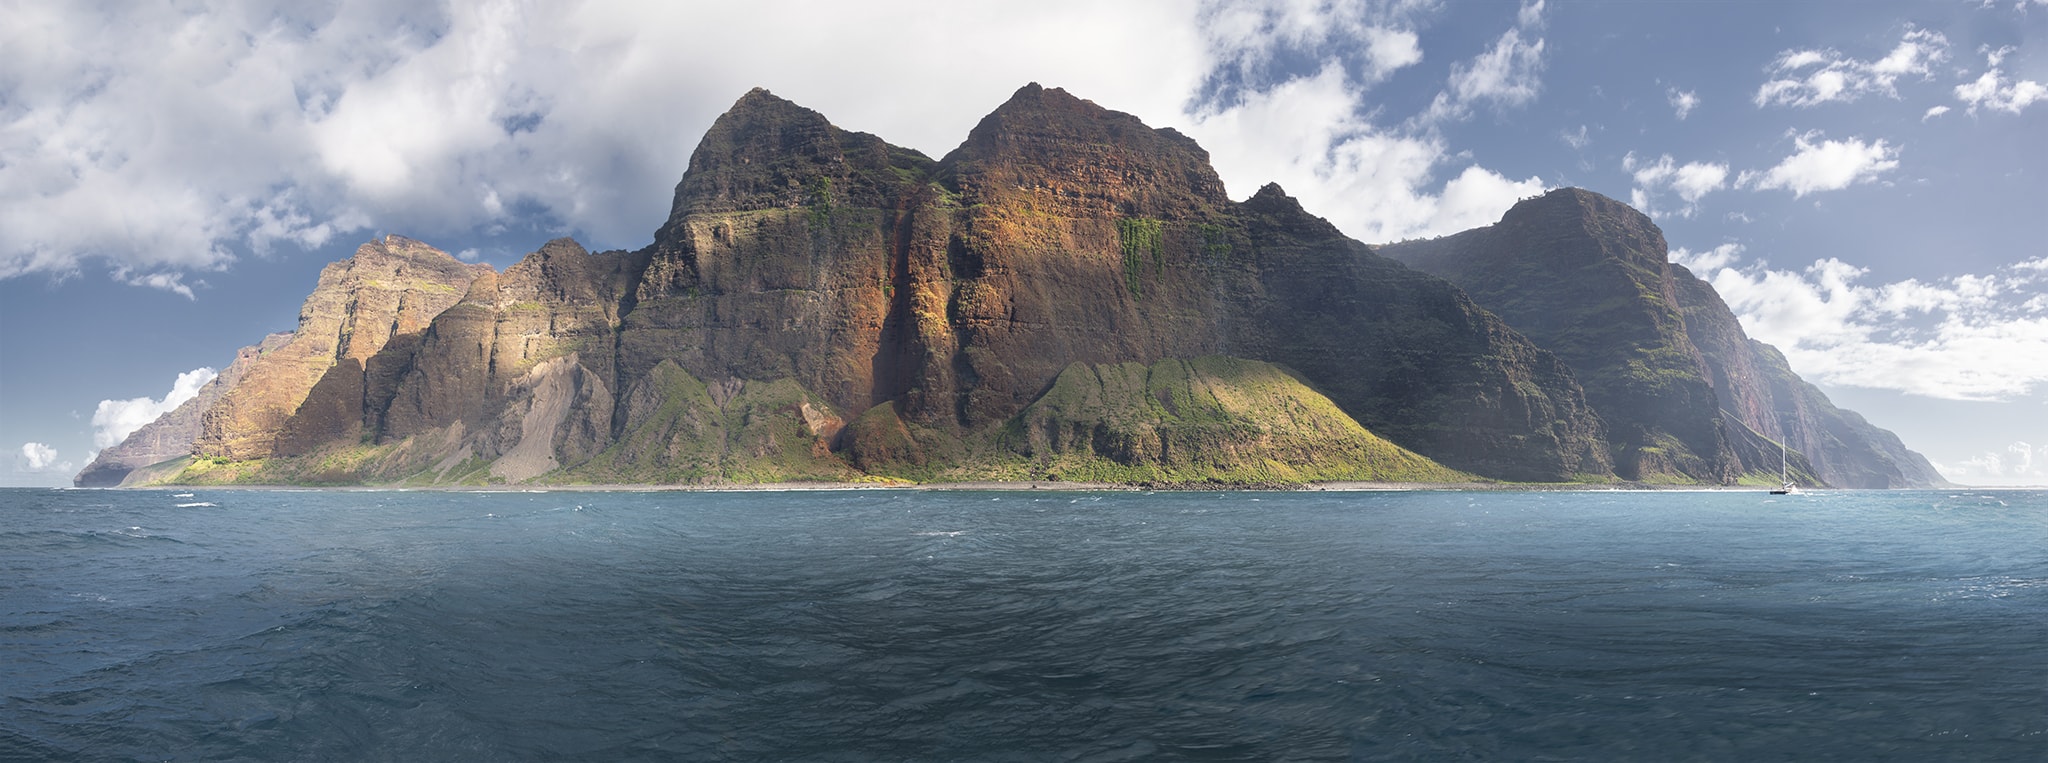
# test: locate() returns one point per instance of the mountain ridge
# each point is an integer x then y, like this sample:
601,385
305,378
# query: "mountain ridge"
820,304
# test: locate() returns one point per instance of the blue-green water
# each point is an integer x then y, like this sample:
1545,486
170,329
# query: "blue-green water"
891,625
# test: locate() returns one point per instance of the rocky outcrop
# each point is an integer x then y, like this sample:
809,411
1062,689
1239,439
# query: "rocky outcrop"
319,385
171,435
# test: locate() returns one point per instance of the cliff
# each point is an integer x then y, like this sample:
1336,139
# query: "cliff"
1758,390
171,435
1687,396
334,370
1068,294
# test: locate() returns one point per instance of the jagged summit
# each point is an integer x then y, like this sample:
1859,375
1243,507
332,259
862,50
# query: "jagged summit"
1054,151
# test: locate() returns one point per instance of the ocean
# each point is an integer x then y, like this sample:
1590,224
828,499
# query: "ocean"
1023,625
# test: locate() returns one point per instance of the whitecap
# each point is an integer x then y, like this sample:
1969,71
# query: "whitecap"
196,504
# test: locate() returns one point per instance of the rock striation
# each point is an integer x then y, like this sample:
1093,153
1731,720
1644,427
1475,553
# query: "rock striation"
335,369
171,435
1069,294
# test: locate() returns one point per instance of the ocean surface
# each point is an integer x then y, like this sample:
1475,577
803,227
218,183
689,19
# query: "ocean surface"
900,625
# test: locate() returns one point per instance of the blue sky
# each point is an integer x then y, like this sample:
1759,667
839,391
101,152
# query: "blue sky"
1864,181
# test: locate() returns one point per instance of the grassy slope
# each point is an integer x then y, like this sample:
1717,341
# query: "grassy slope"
1209,420
1205,420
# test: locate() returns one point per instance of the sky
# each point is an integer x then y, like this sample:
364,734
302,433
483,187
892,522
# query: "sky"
1864,181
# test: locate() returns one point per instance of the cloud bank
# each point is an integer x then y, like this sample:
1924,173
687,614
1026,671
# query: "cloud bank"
1969,337
246,128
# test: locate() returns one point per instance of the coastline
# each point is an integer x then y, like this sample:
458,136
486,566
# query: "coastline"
984,486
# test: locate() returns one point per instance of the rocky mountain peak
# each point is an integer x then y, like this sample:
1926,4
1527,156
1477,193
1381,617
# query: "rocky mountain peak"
1611,227
769,153
1065,155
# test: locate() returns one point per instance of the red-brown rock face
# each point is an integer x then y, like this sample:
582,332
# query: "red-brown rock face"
315,387
1059,232
171,435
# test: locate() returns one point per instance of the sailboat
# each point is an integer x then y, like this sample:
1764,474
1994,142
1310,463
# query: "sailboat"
1785,472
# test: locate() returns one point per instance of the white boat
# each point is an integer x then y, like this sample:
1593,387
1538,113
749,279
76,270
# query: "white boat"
1785,472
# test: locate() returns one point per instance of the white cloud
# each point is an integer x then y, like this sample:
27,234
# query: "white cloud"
163,140
1820,164
37,457
1390,50
1705,263
1683,102
1813,77
1690,181
1969,337
1507,74
161,156
1248,36
1934,111
1992,90
1309,136
1577,139
114,420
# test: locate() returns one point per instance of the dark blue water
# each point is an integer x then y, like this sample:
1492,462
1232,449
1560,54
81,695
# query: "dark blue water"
1023,626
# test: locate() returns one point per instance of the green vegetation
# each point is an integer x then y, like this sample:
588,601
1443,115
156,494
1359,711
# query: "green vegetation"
681,433
1209,420
1140,237
820,201
1215,241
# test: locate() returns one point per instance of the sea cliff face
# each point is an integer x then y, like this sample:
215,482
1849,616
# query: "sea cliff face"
1760,393
319,385
1068,294
1688,397
171,435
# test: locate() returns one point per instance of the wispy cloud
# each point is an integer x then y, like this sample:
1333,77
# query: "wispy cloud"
1706,262
1690,181
1809,77
1818,164
1967,337
2017,463
1683,102
1992,90
1507,74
